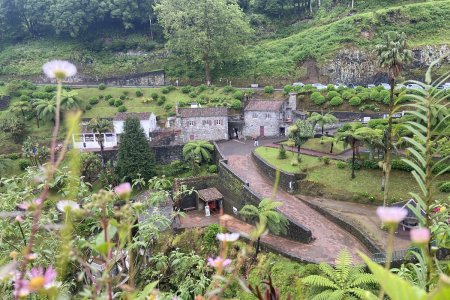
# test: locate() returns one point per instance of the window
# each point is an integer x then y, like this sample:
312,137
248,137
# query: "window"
204,122
219,122
255,115
209,122
191,123
267,115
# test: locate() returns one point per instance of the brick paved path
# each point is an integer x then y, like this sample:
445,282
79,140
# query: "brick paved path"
330,238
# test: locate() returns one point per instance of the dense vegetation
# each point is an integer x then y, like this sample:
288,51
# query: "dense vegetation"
286,34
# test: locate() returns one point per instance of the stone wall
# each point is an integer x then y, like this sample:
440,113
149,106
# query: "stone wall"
154,78
238,193
204,128
4,101
287,181
198,183
254,120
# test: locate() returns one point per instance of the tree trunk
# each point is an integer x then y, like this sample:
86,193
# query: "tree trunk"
353,158
207,71
257,247
332,145
37,120
322,128
23,114
387,158
100,141
298,152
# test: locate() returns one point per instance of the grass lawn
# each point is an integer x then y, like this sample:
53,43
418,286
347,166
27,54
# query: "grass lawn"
366,184
9,167
318,144
271,156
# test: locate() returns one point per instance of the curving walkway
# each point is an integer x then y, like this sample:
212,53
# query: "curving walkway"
329,238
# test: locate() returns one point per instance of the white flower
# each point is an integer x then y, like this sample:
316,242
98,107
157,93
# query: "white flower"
227,237
59,69
67,204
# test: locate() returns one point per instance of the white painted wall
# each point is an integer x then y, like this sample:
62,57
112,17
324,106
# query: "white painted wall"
148,125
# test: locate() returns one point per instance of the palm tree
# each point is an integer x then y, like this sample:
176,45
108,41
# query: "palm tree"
350,136
46,109
392,54
197,152
300,132
266,215
322,119
344,281
22,106
69,100
99,128
372,138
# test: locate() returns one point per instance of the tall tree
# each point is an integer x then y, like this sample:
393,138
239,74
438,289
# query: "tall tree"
206,31
135,156
392,54
100,127
266,214
46,109
198,152
300,132
69,100
350,135
21,106
322,119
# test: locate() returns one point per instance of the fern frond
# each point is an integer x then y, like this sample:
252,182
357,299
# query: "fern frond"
363,279
362,294
325,295
320,281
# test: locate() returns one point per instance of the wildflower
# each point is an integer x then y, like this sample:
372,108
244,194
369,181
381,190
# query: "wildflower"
123,190
59,69
21,288
40,279
218,262
227,237
32,256
64,205
420,236
19,219
391,215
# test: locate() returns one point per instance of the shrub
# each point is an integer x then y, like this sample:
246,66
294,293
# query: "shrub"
377,123
25,98
139,93
42,95
109,96
93,100
444,187
165,90
122,108
375,95
123,97
235,104
397,164
369,164
317,98
24,164
182,103
340,164
168,106
125,93
186,89
326,160
50,88
347,95
88,107
268,89
238,95
160,102
146,100
336,101
201,88
330,87
118,102
101,86
354,101
440,167
288,88
228,89
192,94
282,152
112,101
163,98
364,96
210,236
357,165
212,169
101,97
154,96
332,94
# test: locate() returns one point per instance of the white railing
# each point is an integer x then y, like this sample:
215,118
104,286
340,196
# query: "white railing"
89,140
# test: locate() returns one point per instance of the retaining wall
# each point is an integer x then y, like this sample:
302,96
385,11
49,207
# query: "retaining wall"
287,181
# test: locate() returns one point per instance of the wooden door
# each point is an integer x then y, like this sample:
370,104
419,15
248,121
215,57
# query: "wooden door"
261,131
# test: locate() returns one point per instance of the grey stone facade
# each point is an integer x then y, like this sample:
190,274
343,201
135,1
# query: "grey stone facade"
264,118
209,123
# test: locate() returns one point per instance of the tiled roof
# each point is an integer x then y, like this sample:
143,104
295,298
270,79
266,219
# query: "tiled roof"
264,105
209,194
203,112
122,116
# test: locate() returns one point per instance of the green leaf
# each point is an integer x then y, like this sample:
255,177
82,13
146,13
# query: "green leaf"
395,287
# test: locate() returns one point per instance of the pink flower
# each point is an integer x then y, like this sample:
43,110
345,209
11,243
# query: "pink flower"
21,288
437,209
391,215
28,205
123,190
420,236
227,237
40,279
218,262
19,219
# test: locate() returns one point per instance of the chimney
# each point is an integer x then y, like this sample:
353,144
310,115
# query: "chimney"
293,101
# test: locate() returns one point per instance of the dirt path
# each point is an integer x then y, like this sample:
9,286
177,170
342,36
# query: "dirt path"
330,238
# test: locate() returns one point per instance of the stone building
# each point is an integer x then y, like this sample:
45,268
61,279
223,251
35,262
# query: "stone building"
208,123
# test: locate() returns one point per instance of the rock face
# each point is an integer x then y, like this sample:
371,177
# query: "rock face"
356,66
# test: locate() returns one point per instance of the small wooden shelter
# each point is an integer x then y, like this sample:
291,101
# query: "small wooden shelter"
210,197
